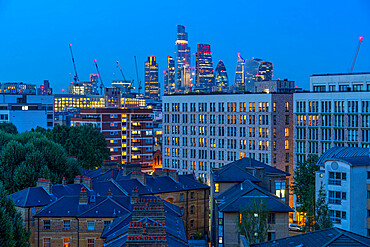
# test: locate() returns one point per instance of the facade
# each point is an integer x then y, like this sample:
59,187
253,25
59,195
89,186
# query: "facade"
125,86
112,97
45,89
65,102
17,88
345,177
128,132
337,114
275,86
201,132
265,70
251,72
169,76
239,81
204,77
221,79
152,88
27,111
182,55
230,204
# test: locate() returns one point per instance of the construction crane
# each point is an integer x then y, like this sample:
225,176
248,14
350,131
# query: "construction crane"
75,78
358,48
101,81
124,78
137,75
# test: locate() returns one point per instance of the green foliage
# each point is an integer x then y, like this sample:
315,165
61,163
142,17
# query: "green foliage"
28,156
253,222
86,143
13,232
322,217
304,188
8,128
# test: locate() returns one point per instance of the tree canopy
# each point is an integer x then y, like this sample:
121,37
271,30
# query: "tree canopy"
13,232
8,127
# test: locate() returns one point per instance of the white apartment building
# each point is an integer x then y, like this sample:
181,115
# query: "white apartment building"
201,132
335,113
345,176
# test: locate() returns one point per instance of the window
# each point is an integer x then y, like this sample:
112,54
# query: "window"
192,195
192,223
46,224
47,242
66,242
271,236
90,243
271,219
90,225
335,178
280,190
67,225
286,106
181,197
192,210
286,132
217,187
106,222
286,144
368,194
368,175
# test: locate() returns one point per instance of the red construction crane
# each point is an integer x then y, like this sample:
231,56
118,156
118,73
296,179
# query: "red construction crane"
358,48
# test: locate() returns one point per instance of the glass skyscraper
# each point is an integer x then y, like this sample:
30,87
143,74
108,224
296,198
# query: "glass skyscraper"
151,79
257,70
169,76
204,76
222,81
239,82
265,71
182,56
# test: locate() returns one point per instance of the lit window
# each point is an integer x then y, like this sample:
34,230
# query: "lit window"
286,144
217,188
66,242
286,106
286,132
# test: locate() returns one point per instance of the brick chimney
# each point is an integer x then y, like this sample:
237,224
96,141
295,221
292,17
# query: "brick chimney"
46,183
107,165
109,192
127,168
134,194
64,181
139,176
83,196
172,173
83,180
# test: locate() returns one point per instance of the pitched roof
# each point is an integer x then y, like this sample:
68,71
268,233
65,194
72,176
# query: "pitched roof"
354,156
32,197
236,171
240,196
102,188
60,190
327,237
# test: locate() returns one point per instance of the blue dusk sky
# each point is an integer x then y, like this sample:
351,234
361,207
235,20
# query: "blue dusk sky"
301,38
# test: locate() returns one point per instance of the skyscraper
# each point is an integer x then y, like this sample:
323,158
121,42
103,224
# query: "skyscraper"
182,53
239,81
222,82
204,76
265,71
151,79
169,76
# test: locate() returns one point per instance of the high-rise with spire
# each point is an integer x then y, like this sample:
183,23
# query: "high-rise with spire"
204,77
152,89
239,82
182,57
221,79
169,76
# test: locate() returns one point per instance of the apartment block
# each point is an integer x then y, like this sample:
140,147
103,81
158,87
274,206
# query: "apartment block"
128,132
27,111
345,177
206,131
335,113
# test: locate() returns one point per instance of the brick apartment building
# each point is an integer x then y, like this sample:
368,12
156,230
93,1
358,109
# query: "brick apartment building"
128,132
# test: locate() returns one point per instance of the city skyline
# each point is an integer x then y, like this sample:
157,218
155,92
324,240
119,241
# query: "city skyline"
311,40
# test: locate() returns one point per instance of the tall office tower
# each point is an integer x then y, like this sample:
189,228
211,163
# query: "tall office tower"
182,53
204,77
222,81
151,79
169,76
239,81
186,78
94,79
251,72
265,71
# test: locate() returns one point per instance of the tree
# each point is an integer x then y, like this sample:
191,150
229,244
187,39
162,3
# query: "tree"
252,222
13,232
8,127
322,217
304,188
86,143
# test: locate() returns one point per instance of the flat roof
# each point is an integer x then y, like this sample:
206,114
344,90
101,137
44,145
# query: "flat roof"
336,74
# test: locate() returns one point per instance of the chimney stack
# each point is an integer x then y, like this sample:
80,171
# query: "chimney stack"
64,181
172,173
134,194
46,183
83,180
83,196
109,192
139,176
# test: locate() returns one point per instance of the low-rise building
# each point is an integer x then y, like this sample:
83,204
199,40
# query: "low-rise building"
345,177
